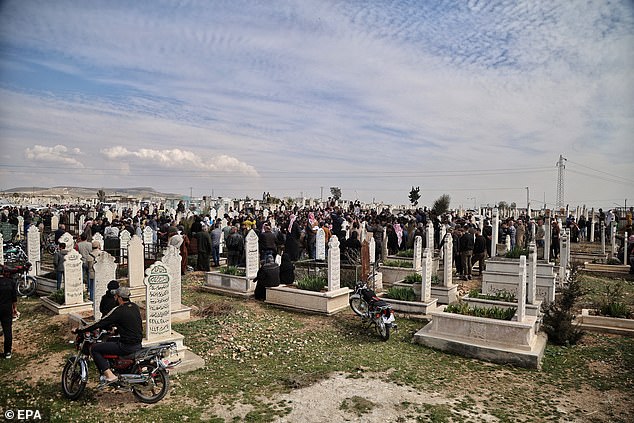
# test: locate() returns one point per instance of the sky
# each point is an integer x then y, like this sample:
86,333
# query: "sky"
474,99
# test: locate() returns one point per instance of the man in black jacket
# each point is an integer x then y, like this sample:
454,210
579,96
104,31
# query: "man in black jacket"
479,251
8,308
268,276
127,318
467,243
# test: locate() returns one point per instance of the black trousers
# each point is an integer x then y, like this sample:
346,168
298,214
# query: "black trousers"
114,347
6,319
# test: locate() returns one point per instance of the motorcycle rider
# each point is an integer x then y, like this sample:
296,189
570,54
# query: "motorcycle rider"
127,318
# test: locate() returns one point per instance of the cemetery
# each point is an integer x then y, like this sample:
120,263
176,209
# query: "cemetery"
499,317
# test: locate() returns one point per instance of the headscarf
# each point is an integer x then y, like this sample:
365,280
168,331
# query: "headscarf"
290,222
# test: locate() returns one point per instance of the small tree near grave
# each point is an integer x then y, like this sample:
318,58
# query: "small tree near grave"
558,321
101,196
414,196
336,193
441,205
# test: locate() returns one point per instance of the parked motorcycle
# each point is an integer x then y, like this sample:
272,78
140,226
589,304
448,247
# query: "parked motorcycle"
145,373
17,266
372,309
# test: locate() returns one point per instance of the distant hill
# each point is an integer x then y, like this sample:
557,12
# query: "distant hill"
85,192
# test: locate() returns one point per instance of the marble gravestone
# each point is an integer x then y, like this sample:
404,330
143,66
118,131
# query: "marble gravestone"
158,316
252,254
73,279
334,264
105,271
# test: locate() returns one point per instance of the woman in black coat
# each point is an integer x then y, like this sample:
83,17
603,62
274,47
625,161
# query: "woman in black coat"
287,270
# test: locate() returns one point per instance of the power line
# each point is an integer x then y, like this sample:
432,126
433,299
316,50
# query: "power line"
600,171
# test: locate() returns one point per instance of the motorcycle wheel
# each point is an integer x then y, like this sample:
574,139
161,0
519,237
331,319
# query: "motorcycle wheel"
155,388
358,305
26,287
72,385
383,329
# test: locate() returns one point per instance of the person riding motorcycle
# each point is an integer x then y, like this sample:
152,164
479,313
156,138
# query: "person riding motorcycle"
127,318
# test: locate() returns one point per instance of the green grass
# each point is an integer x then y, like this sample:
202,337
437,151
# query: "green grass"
398,263
253,352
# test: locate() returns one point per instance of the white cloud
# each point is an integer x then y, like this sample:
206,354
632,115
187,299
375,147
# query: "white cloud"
180,159
58,154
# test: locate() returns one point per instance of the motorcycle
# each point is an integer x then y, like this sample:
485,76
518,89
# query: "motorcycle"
364,302
17,266
145,373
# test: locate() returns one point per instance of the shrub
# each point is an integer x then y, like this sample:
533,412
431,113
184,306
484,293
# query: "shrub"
413,278
405,253
233,270
401,293
435,280
398,263
501,295
613,261
499,313
312,283
517,252
58,296
558,315
611,304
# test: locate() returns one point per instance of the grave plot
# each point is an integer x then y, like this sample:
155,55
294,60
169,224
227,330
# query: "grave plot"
333,300
516,342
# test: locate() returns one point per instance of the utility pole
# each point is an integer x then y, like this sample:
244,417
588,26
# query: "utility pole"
321,197
560,183
528,203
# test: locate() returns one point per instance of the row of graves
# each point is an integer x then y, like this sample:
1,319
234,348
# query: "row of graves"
528,282
156,288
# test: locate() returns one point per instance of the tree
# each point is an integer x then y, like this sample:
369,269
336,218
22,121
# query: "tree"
441,205
503,205
336,192
414,196
101,196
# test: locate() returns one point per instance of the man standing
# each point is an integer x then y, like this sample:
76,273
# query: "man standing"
216,235
479,251
467,244
8,309
235,247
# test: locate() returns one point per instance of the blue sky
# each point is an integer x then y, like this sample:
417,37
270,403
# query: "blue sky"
475,99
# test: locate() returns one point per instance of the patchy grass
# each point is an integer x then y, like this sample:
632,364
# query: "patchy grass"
255,353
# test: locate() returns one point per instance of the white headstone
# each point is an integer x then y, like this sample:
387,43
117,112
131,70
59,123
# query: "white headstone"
532,273
429,234
33,249
158,316
547,238
563,257
54,222
252,254
212,213
426,274
20,227
82,222
418,249
372,248
105,271
364,233
99,238
68,240
124,240
602,234
447,279
321,244
507,241
1,250
109,215
521,291
172,260
592,226
136,262
495,225
148,236
334,268
73,279
613,248
222,242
